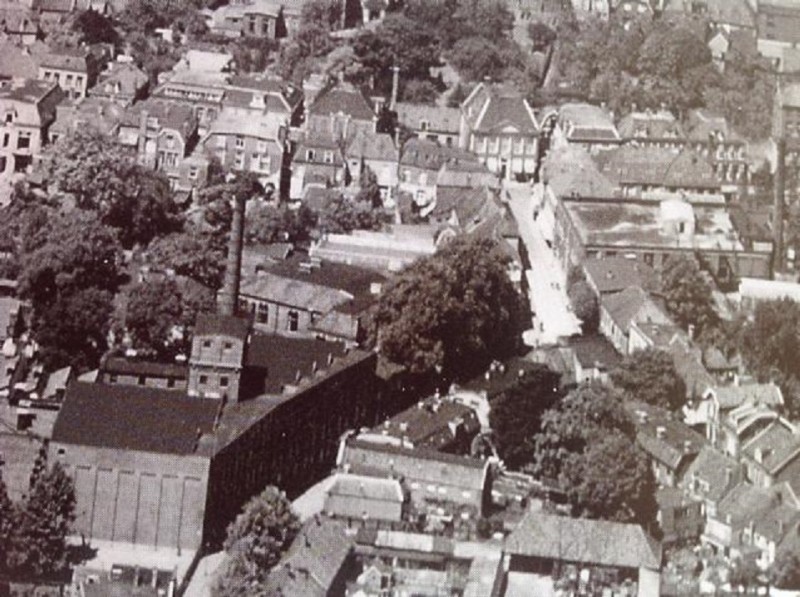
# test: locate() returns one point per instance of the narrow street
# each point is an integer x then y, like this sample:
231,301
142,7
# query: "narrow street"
552,316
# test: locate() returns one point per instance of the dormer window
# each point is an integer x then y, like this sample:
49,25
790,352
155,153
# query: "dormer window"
9,117
423,125
310,155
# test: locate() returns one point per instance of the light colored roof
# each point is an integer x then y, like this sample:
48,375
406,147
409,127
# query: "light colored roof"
570,171
497,108
615,274
67,59
657,166
123,77
204,61
712,467
439,119
372,146
650,125
633,304
756,393
371,488
265,126
295,293
776,446
584,541
9,308
587,122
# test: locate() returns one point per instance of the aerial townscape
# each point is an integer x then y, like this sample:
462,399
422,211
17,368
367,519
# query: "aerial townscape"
393,298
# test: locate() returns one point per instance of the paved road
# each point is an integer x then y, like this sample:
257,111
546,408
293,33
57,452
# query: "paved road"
546,282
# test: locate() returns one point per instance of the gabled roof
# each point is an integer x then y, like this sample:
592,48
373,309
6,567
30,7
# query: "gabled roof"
267,127
755,393
664,438
133,418
212,324
594,351
657,166
587,122
584,541
496,108
430,423
737,13
342,100
125,366
712,467
122,78
744,503
67,59
293,292
370,488
629,305
615,274
570,171
703,125
372,146
170,115
654,126
774,447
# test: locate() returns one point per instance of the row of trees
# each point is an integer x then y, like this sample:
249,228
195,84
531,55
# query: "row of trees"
652,63
33,534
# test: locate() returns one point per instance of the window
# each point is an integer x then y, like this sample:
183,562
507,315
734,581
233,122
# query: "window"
5,140
223,382
203,380
112,378
310,155
264,163
193,172
68,80
24,141
293,321
170,141
648,259
240,161
141,380
170,383
423,125
262,314
239,141
79,80
206,343
220,141
9,117
328,157
261,146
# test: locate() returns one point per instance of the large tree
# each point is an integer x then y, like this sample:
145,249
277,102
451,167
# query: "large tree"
515,416
649,375
192,253
453,311
102,176
256,541
341,214
8,526
785,571
45,523
587,446
687,294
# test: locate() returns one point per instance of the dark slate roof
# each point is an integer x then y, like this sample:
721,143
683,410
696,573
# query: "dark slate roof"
346,101
210,324
280,358
133,418
711,466
430,421
777,445
664,438
657,166
624,307
615,274
123,366
503,107
67,59
584,541
594,351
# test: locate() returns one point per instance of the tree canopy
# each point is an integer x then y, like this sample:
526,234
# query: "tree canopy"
785,571
452,312
649,375
688,295
515,416
256,541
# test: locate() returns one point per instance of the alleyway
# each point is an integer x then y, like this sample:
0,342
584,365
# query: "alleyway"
553,317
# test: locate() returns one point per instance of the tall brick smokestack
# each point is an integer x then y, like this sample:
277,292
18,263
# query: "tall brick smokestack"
395,86
780,192
229,295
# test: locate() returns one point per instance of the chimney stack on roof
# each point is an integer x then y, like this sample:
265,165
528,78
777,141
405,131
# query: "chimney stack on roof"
229,296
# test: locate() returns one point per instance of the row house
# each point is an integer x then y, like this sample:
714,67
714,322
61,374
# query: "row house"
92,113
499,126
376,152
251,96
74,70
27,109
651,128
339,112
435,123
317,161
622,310
164,135
589,126
202,91
254,145
710,135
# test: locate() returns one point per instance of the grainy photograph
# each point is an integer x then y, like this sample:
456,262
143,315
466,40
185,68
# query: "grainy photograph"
399,298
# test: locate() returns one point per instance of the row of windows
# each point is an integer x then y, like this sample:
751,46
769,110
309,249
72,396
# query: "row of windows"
261,313
68,78
223,381
23,140
504,145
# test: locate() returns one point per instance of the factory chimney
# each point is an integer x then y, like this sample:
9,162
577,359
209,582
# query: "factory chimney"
229,295
780,190
395,85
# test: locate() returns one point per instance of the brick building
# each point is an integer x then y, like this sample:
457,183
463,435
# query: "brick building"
74,70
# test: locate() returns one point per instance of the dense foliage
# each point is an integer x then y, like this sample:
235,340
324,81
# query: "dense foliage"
649,375
451,312
256,540
688,295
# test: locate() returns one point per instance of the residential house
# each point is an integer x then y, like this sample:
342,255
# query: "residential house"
20,62
711,136
591,8
710,477
652,232
772,456
498,124
27,109
203,91
543,545
164,135
259,19
592,358
431,477
131,372
438,423
671,444
376,152
739,425
317,161
717,401
74,70
778,26
92,113
436,123
10,348
19,26
688,361
615,274
254,145
307,298
619,311
123,82
340,112
252,96
724,15
374,10
681,519
587,125
358,497
659,129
